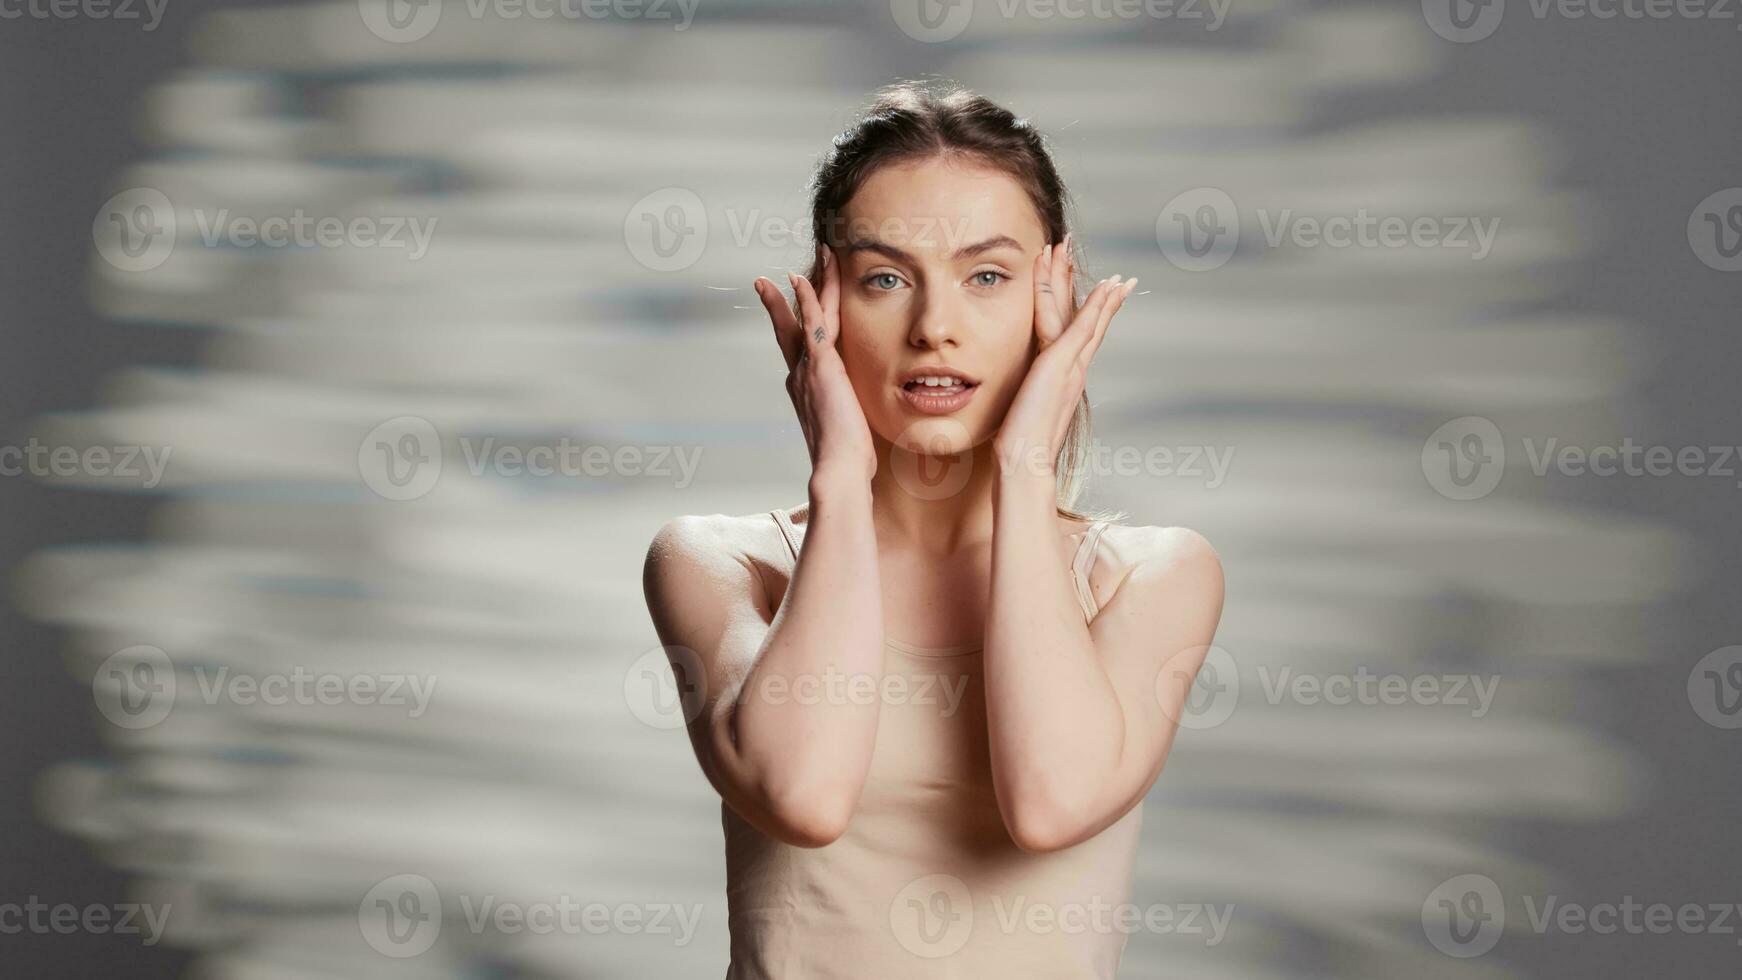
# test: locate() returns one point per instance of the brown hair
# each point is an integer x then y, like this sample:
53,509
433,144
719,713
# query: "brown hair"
908,121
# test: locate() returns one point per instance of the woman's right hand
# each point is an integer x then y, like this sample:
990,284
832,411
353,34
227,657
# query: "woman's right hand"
828,408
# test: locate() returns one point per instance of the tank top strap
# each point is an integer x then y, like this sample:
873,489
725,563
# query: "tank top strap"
787,531
1082,564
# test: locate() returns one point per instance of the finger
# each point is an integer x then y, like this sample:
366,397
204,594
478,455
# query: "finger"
831,298
1083,327
1048,322
1115,301
785,324
1061,277
816,335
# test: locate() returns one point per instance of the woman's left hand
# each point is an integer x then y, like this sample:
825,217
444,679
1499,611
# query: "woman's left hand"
1035,426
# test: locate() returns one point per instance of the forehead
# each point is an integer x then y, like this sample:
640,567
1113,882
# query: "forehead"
941,202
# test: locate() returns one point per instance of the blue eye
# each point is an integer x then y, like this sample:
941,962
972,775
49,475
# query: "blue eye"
876,279
997,277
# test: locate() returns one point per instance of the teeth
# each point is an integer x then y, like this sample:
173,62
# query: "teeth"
935,381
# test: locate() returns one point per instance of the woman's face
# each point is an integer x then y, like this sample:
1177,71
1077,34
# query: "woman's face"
937,279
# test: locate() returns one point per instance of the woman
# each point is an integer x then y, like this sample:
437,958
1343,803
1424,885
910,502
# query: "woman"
932,699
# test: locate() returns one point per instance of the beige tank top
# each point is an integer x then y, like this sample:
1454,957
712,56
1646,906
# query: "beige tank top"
926,884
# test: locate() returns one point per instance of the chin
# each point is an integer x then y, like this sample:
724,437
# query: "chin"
936,436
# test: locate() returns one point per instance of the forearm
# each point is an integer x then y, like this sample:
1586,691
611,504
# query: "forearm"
793,731
1055,724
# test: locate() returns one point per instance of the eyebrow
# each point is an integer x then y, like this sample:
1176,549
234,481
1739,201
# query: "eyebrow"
873,245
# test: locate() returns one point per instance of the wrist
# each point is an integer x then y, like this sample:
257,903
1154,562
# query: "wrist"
1023,461
830,484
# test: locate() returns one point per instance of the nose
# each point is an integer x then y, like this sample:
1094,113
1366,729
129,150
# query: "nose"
935,319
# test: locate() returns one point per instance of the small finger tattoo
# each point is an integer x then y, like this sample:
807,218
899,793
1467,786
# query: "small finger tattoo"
819,335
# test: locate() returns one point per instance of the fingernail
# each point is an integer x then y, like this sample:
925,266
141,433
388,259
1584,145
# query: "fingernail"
1130,285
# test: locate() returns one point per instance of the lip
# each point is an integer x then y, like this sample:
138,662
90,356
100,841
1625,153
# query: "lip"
939,404
931,404
940,370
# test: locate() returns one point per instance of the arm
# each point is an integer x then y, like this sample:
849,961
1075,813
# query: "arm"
789,762
1080,718
792,766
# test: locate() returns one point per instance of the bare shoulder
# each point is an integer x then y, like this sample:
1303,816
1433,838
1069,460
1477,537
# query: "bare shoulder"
1177,560
1133,545
718,548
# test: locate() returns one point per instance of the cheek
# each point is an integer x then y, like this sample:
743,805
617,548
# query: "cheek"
863,353
1010,345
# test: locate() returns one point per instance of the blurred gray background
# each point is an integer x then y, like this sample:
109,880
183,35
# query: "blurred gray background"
1592,599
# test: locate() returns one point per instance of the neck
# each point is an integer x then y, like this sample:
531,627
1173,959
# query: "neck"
936,503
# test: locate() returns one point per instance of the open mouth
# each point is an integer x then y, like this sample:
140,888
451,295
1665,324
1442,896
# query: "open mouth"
938,385
937,392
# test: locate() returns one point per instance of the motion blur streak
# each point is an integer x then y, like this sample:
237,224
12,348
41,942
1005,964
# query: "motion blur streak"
337,503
